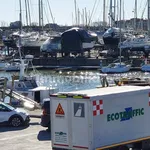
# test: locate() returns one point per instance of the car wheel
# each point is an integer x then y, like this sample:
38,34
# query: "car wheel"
16,121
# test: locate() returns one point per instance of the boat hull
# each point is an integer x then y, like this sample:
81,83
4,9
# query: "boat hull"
110,41
115,70
146,68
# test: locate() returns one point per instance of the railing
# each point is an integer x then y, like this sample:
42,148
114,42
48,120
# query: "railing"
26,101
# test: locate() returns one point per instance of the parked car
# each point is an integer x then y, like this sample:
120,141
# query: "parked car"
45,117
13,116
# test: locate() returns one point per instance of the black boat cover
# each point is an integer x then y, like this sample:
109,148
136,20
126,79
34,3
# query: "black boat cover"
72,39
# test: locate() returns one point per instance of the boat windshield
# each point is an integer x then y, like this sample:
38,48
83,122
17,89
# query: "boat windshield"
111,65
55,39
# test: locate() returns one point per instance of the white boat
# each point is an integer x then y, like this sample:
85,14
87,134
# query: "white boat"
34,41
2,65
112,36
52,44
27,85
139,42
14,65
146,66
116,68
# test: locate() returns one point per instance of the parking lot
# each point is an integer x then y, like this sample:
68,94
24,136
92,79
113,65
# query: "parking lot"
33,137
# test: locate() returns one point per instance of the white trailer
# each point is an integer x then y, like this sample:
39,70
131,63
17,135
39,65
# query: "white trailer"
103,118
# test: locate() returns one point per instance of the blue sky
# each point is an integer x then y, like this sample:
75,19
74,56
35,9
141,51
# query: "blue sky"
62,10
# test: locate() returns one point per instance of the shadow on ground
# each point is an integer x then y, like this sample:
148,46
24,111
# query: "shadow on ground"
6,127
9,128
44,135
34,123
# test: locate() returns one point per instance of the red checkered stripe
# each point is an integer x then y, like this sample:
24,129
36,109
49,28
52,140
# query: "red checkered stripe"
98,107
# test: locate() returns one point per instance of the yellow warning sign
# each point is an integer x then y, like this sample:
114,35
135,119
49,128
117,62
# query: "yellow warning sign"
59,110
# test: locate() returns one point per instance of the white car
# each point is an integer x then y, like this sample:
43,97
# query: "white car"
13,116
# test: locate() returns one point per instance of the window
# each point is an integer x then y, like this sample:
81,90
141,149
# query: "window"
8,107
3,108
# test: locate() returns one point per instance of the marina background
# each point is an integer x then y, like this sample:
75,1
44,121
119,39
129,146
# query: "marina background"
65,17
66,81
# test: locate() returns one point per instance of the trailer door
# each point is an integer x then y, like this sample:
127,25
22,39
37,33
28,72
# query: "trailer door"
80,132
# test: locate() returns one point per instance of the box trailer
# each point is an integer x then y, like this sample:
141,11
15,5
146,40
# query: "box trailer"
103,118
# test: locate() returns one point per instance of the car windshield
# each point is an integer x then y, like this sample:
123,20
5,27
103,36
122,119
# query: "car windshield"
8,106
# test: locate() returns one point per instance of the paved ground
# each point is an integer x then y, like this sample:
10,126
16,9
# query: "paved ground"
33,137
36,113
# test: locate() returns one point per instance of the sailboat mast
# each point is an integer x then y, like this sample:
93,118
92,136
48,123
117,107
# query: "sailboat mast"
135,16
123,16
26,12
114,10
86,18
53,19
120,30
104,13
22,67
29,12
83,17
75,4
117,12
39,13
110,13
20,17
148,15
42,14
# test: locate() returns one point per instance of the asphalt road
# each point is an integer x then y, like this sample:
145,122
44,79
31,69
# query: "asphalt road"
33,137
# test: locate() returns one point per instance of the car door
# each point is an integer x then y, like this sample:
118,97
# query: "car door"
5,113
